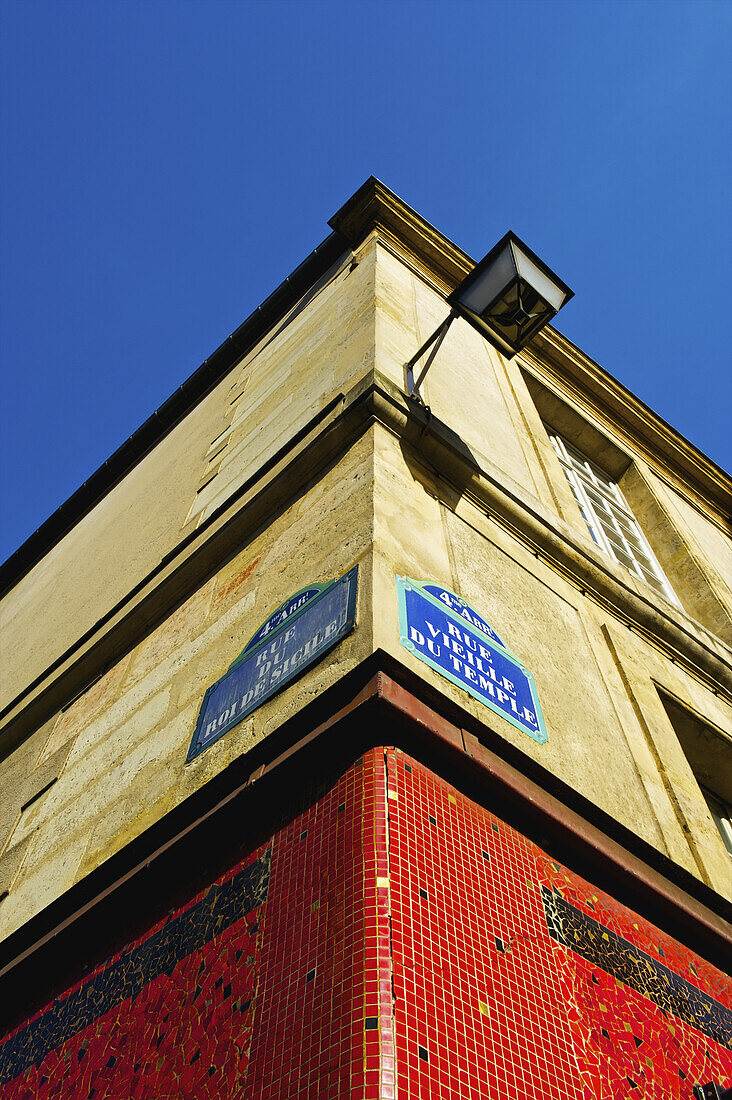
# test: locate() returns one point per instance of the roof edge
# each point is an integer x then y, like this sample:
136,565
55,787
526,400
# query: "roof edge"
554,358
161,422
374,207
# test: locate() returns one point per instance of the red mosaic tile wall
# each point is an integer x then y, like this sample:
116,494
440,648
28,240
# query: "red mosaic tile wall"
393,940
279,1004
181,1034
488,1005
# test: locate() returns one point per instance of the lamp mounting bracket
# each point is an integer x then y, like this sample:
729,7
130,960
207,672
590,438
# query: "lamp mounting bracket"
436,338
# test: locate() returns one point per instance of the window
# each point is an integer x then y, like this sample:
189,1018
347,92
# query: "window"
709,752
608,517
722,814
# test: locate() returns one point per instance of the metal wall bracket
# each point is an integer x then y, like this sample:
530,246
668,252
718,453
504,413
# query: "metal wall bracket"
436,338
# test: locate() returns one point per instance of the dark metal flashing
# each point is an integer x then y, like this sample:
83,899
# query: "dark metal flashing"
172,411
378,703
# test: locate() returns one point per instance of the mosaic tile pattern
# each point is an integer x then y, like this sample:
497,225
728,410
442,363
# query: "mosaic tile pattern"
583,934
474,983
155,1020
159,954
260,987
393,939
316,1031
626,1045
489,1004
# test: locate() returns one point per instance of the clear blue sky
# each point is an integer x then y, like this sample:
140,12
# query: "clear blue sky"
166,164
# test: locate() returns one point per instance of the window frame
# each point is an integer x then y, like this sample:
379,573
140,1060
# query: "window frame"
611,524
721,815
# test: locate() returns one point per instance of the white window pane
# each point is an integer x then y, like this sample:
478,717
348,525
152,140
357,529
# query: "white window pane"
608,517
722,815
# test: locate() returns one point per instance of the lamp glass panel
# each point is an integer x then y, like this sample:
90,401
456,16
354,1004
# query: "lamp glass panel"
518,314
546,287
490,282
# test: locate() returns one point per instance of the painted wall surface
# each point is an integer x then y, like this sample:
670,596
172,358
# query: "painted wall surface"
392,939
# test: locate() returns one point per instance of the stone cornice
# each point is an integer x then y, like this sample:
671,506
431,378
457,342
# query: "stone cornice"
682,640
375,208
303,457
555,359
171,412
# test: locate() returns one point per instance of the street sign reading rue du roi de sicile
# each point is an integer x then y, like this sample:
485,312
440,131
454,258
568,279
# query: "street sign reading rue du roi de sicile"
293,638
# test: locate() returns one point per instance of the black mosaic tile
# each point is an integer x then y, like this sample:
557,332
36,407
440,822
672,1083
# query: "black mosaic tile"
220,907
646,975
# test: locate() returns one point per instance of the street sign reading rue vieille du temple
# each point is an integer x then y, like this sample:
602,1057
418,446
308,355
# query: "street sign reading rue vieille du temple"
293,638
442,630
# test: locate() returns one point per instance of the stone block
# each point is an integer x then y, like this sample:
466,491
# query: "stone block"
40,883
177,629
11,861
83,710
233,583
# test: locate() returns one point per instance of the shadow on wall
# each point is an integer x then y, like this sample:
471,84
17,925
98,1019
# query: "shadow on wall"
437,457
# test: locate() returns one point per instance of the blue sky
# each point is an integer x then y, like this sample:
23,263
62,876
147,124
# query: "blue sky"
166,164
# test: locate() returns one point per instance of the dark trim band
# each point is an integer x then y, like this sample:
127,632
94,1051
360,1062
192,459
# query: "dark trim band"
219,908
605,949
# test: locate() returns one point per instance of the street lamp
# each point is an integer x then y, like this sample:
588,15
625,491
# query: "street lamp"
508,297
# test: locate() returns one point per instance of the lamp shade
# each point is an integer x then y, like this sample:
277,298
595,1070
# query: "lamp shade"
510,295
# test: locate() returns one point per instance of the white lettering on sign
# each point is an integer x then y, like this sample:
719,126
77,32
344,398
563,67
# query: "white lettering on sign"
295,636
450,641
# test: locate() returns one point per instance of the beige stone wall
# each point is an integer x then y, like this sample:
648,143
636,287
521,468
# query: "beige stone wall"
104,556
694,554
276,389
115,757
112,761
609,736
489,424
321,348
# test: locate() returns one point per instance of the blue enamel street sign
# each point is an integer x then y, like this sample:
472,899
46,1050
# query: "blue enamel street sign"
461,608
281,615
297,635
452,643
